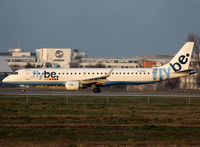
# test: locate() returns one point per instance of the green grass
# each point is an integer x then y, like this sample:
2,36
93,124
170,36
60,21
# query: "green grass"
89,121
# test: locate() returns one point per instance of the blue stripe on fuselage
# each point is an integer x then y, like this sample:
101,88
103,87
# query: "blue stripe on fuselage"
109,83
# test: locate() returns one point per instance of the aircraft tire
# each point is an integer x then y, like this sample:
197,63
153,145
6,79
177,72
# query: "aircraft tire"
96,90
23,90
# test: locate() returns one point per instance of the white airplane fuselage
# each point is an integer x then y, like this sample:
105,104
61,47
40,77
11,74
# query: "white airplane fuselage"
118,75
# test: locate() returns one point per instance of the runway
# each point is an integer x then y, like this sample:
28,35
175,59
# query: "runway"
16,91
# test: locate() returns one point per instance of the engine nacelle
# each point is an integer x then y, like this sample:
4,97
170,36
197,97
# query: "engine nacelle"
73,85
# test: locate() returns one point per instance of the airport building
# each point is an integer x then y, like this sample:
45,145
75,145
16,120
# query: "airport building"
43,57
55,57
66,58
18,59
124,62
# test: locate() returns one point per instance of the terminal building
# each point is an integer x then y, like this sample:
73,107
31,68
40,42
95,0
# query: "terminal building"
18,59
124,62
72,58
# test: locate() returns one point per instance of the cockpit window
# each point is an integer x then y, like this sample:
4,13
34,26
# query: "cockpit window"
15,73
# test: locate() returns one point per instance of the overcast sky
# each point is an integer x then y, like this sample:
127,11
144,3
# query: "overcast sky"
115,28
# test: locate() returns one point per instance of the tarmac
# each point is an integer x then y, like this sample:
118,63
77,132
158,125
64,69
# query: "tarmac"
46,91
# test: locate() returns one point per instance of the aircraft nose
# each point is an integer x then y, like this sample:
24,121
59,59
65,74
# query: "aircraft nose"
5,80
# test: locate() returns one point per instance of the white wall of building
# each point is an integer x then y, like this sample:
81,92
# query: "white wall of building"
60,57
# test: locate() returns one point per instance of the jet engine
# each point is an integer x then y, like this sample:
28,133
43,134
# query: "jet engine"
73,85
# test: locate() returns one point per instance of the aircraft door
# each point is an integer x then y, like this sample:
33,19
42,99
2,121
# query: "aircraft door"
28,74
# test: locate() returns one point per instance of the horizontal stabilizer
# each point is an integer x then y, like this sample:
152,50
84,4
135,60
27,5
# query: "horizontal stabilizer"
189,71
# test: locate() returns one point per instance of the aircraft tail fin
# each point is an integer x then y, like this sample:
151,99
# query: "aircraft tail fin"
181,60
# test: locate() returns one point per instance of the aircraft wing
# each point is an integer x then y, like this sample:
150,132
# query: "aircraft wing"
97,80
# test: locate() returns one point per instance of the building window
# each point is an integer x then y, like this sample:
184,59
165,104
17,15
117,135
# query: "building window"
59,60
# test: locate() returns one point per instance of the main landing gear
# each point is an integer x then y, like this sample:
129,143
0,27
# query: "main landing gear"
22,90
96,90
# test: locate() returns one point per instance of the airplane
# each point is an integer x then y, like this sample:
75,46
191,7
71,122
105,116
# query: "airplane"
80,78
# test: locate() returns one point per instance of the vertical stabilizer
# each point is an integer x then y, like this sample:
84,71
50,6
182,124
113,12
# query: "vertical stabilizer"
181,60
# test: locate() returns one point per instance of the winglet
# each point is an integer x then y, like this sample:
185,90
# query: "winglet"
109,73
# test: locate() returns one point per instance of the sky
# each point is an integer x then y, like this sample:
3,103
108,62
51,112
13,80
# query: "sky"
110,28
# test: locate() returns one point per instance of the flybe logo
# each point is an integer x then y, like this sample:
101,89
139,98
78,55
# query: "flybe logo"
161,74
177,66
48,76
